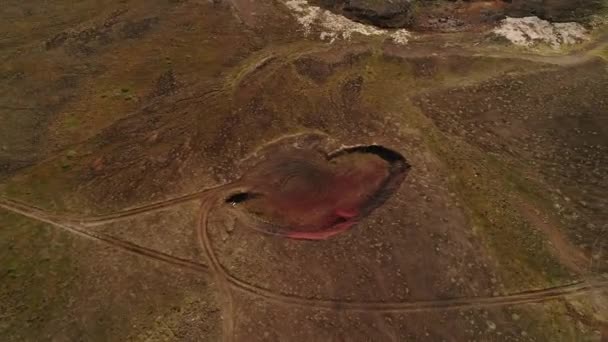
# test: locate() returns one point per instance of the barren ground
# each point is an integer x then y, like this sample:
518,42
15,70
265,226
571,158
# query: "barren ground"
126,127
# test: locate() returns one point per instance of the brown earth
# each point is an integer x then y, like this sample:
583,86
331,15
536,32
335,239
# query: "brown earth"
128,127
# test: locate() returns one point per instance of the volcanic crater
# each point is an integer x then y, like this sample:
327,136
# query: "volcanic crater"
312,195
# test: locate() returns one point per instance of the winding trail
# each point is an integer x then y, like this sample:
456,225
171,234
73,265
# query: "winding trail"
531,296
67,224
208,202
210,199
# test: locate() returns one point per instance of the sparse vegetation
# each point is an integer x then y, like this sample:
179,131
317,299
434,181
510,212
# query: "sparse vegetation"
497,233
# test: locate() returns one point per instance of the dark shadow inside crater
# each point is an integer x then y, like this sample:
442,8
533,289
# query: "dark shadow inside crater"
240,197
385,153
398,168
306,194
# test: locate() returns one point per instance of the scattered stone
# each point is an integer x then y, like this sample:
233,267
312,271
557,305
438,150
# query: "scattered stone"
491,325
165,84
71,154
401,37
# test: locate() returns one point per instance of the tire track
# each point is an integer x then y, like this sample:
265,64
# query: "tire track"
96,220
531,296
156,206
54,220
207,204
145,209
211,197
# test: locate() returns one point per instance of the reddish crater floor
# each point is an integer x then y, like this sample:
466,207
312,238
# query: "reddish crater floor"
313,196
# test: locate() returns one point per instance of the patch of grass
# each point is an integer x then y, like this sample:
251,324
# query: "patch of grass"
170,325
522,252
72,122
601,52
480,183
43,185
33,269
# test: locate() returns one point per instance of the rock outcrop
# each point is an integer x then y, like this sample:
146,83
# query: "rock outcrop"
434,14
381,13
554,10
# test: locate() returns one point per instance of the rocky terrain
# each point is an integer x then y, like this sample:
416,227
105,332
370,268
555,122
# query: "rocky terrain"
303,170
450,15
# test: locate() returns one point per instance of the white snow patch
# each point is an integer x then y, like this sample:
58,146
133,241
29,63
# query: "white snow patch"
335,26
530,31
